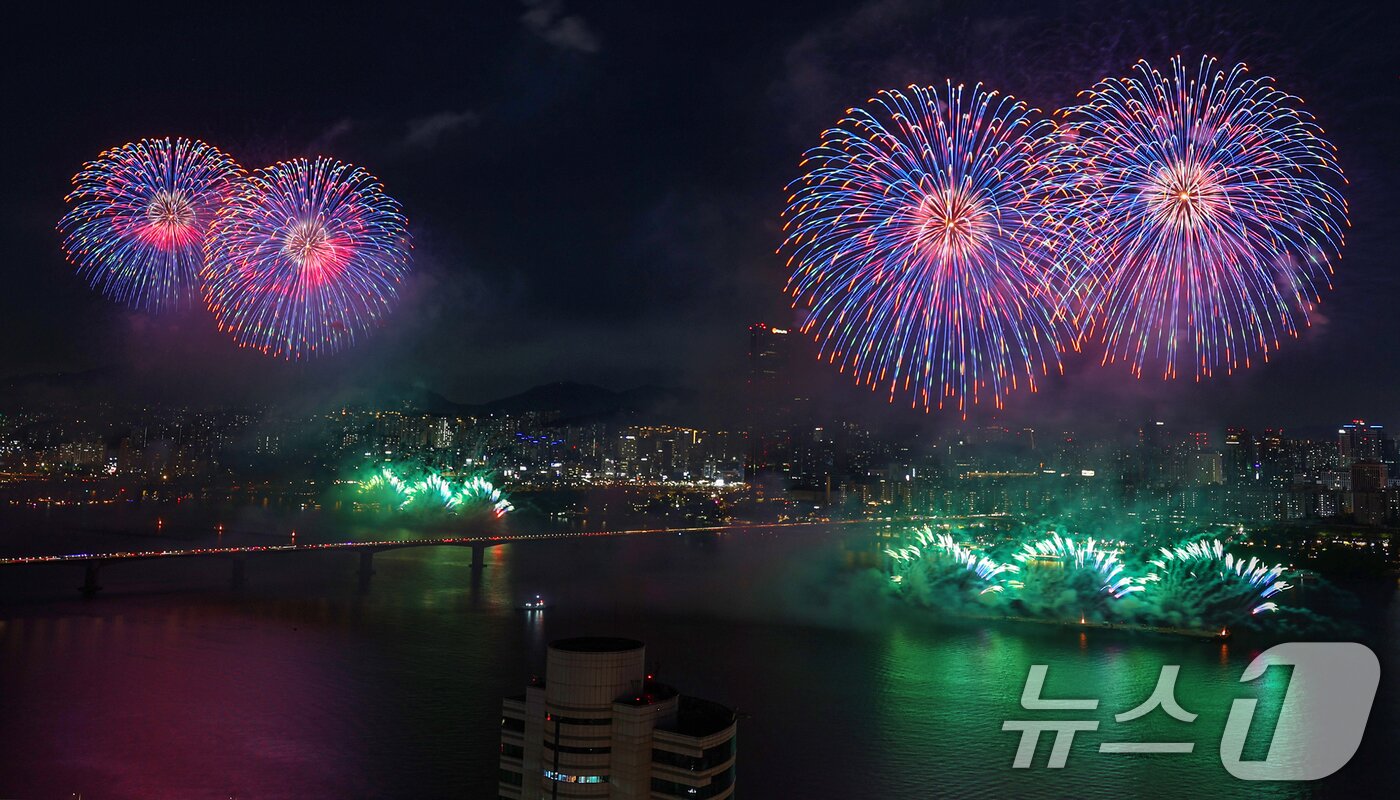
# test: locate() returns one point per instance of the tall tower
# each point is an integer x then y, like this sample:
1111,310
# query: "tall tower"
598,726
1357,441
769,392
1239,456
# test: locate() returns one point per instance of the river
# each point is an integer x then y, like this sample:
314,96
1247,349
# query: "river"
170,684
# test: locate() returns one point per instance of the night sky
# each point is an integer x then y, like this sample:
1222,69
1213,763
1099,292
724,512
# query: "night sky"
595,188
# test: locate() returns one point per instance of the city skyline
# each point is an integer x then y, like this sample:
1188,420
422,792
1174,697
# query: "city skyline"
725,402
533,399
818,467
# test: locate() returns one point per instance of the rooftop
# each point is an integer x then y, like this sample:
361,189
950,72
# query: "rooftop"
596,644
652,692
698,718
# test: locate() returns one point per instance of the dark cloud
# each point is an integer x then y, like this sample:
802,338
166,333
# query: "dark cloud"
334,133
548,20
425,132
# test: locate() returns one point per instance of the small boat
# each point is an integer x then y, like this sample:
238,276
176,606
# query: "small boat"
538,604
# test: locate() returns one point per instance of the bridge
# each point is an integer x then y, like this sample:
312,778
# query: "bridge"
238,555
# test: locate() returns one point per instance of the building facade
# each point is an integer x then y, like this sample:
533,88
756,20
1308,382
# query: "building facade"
598,726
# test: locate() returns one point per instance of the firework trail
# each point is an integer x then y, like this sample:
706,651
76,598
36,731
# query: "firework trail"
305,257
1201,582
138,216
412,488
942,570
1195,585
1207,210
386,483
1063,576
917,244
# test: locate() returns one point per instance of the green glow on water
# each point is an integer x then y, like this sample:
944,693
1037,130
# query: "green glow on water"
952,688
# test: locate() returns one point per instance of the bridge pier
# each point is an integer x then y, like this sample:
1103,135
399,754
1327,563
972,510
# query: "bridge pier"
366,569
478,557
90,586
237,579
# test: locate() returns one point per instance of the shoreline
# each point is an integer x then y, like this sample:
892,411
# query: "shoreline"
1194,633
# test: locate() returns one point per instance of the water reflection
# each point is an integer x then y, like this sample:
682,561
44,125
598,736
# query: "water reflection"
301,686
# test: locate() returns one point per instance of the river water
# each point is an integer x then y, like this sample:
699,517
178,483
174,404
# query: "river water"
172,685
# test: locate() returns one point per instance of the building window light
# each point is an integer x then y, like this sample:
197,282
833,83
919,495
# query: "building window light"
562,778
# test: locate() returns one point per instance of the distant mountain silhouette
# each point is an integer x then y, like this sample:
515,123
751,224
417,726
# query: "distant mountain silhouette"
561,401
409,397
568,401
59,388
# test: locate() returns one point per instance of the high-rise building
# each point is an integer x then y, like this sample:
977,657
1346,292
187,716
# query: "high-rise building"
1368,492
1238,457
268,444
599,726
627,453
442,434
769,394
1240,473
1154,453
1272,460
768,355
1357,441
1203,469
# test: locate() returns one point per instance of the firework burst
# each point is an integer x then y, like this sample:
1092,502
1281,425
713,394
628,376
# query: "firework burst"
400,487
1196,586
1057,570
305,258
1208,211
937,561
138,216
1203,582
917,244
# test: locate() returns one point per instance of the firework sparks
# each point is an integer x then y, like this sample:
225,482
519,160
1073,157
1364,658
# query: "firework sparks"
917,243
403,487
1207,212
138,218
1204,579
305,258
1092,557
936,552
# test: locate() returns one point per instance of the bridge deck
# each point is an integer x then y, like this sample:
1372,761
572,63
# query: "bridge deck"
395,544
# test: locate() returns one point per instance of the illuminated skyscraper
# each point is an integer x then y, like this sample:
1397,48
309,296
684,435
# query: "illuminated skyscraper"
598,726
1272,460
1202,469
769,393
442,434
1357,441
769,354
1238,456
